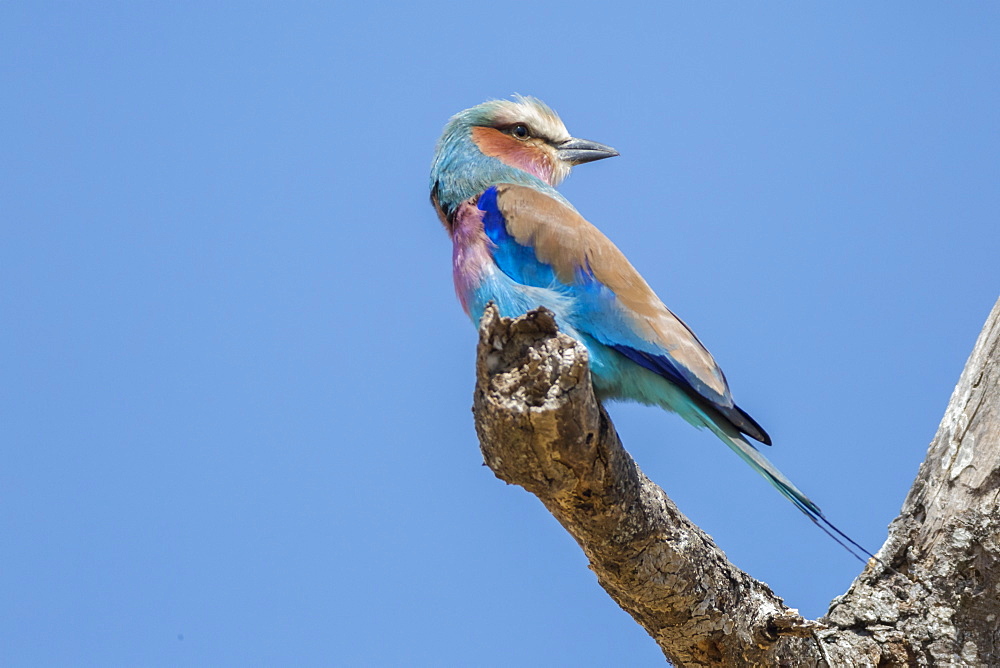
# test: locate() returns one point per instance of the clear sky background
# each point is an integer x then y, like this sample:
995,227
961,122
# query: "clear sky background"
236,384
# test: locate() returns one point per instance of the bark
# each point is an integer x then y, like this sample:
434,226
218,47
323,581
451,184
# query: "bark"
933,597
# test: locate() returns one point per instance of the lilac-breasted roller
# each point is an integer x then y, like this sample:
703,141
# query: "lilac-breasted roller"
520,244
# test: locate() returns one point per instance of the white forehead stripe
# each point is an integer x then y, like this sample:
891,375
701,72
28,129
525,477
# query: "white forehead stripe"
542,120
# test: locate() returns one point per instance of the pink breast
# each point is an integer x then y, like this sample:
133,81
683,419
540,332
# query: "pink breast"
471,256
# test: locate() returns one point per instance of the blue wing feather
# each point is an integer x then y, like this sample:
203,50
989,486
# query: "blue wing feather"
517,261
668,368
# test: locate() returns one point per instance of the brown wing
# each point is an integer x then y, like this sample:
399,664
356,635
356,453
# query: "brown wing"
562,238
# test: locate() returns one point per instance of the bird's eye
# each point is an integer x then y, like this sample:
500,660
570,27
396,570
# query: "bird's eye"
520,131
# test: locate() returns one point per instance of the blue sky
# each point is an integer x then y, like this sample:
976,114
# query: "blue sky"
235,411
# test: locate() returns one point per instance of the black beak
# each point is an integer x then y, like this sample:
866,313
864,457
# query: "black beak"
578,151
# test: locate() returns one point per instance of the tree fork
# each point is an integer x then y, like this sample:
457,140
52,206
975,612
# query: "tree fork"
541,427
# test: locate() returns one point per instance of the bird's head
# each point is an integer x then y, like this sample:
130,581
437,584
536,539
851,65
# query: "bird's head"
507,141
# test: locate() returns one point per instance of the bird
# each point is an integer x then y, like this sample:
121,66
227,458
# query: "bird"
518,243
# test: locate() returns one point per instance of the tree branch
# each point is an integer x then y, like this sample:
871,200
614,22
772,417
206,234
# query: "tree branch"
541,427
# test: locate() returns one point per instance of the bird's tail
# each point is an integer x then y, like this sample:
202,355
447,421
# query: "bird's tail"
759,463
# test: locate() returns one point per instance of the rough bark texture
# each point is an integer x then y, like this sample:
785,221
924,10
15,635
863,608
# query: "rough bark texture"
541,427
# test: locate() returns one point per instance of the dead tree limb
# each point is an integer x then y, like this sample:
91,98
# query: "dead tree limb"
541,427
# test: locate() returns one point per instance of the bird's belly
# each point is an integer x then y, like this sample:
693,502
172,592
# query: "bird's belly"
513,299
616,377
